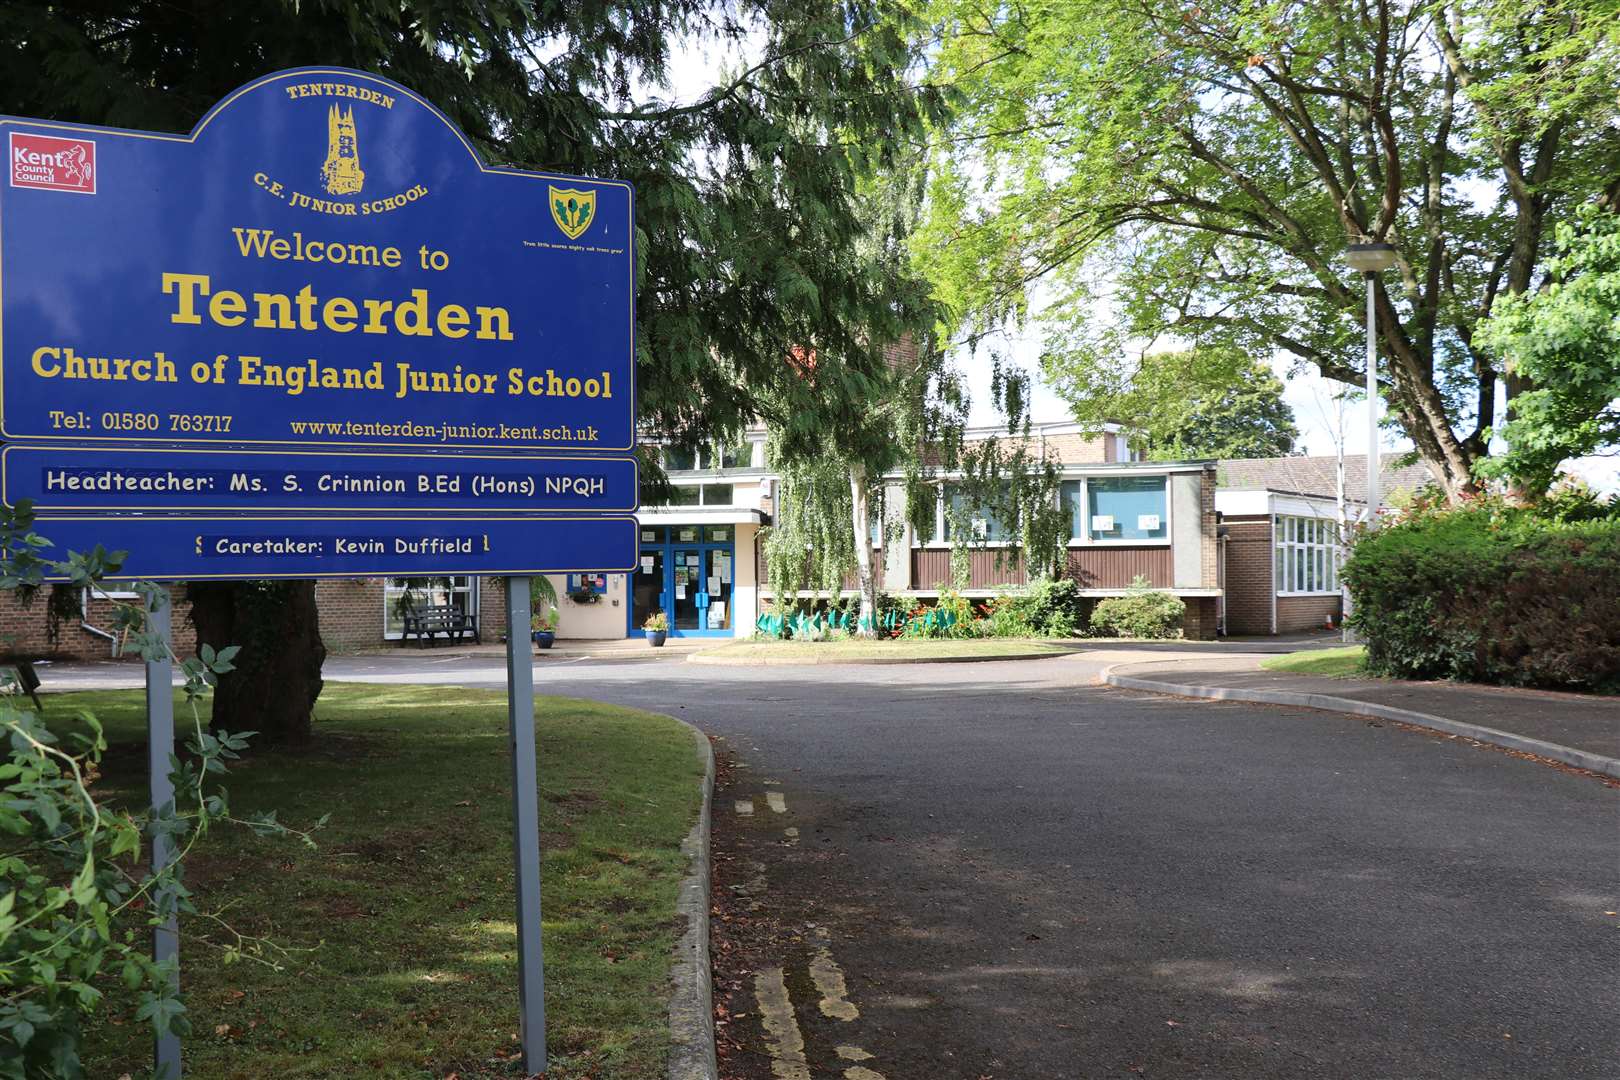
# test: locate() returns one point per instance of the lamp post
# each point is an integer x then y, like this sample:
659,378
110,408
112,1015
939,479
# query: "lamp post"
1370,259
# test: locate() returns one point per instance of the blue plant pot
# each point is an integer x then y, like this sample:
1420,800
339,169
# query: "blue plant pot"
544,638
655,638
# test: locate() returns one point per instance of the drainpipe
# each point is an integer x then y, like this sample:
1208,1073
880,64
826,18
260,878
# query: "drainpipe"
84,623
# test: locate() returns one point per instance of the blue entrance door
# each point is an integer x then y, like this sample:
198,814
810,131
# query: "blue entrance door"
688,573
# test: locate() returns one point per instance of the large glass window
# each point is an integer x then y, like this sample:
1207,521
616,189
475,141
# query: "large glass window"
402,593
740,456
678,460
1307,555
702,495
1070,500
983,522
1127,507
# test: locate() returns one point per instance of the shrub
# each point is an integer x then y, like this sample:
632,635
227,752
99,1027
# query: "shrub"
951,616
1494,593
1049,607
1143,612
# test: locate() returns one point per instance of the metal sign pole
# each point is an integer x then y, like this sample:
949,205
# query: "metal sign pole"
525,825
159,748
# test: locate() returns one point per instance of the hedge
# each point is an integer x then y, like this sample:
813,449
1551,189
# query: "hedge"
1494,594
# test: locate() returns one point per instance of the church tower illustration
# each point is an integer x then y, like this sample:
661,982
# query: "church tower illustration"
342,174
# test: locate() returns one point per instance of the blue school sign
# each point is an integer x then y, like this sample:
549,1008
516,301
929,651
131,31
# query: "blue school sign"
320,301
319,337
81,480
323,262
205,548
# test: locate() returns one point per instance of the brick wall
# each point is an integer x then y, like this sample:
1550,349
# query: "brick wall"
1075,449
1199,622
1296,613
23,630
351,611
1248,575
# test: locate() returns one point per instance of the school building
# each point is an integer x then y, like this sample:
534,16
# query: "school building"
1250,546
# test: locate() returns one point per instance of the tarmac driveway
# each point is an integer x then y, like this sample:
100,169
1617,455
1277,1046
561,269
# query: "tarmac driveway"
997,871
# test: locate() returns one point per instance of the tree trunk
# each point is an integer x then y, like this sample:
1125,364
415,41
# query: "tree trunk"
865,579
278,672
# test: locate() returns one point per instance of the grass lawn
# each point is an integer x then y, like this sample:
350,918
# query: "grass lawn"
403,959
1344,662
832,652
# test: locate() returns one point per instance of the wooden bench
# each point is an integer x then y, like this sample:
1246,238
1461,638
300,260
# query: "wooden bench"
426,623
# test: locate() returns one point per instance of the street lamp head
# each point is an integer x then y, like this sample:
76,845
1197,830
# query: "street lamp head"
1370,258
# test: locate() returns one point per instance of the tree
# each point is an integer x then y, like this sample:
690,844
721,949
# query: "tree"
1197,403
1195,171
745,219
1564,341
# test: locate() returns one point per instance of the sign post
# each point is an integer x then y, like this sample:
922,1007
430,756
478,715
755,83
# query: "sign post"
525,828
319,337
159,747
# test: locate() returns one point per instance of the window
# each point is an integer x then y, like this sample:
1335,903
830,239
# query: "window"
1071,499
718,494
740,456
1307,555
399,593
984,522
678,460
1127,507
737,456
702,495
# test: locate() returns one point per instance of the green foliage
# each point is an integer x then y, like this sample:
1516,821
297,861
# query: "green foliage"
950,616
1160,170
1143,612
1047,608
746,220
1565,341
75,887
1198,403
1493,593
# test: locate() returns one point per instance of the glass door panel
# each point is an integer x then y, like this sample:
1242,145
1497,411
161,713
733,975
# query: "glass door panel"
717,585
688,587
647,591
400,594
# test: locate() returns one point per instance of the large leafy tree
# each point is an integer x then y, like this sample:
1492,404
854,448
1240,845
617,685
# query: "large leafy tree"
1564,340
1194,403
1195,171
745,221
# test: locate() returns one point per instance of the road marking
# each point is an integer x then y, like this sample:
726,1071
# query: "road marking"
853,1053
861,1072
745,807
783,1039
778,803
829,979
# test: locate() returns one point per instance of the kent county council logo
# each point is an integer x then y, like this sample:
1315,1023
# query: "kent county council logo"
572,210
56,164
342,174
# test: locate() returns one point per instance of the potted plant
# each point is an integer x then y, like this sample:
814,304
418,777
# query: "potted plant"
542,611
543,627
657,628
